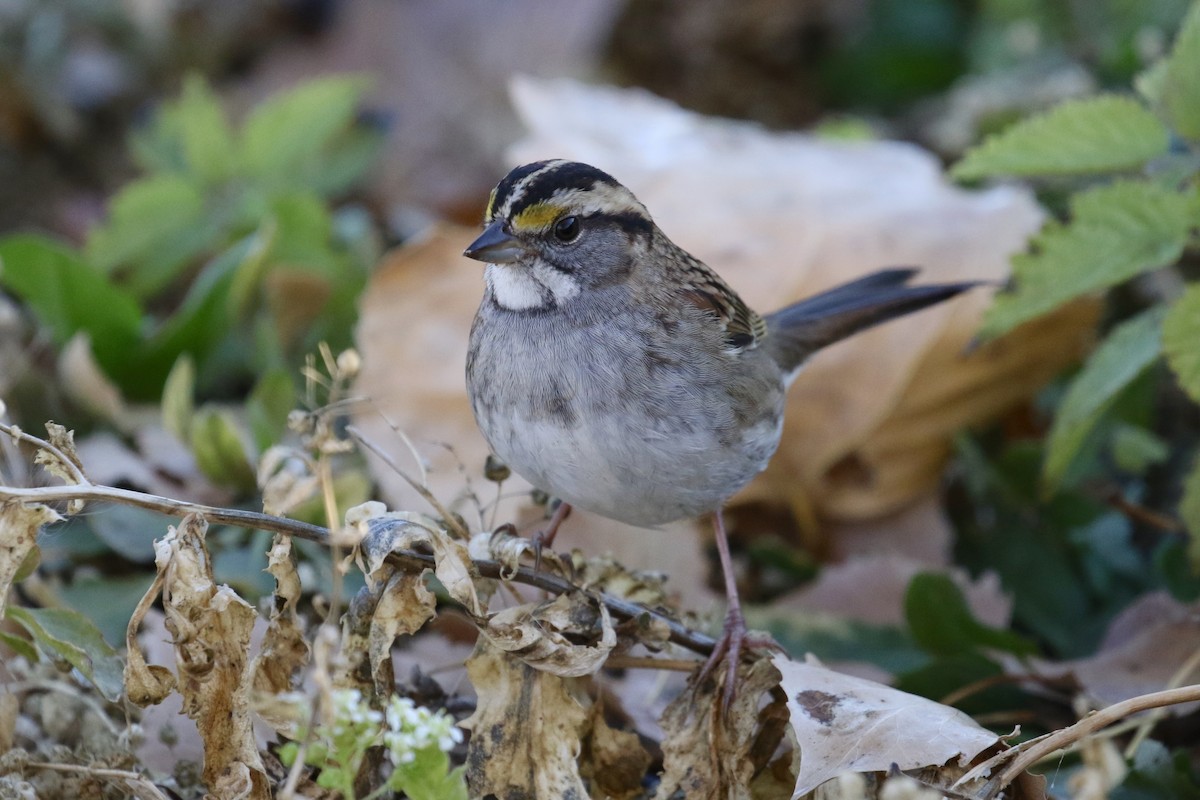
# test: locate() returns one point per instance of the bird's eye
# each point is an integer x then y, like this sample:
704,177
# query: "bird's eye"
567,229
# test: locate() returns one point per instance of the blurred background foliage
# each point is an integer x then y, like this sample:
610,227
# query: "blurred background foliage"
197,192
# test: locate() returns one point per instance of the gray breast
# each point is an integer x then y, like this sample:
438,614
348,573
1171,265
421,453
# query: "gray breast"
623,411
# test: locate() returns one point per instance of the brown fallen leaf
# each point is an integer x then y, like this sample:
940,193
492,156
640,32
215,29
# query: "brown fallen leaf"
145,684
284,650
526,730
1144,650
847,724
210,628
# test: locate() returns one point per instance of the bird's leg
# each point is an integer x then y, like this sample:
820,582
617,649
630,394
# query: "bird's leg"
733,637
545,536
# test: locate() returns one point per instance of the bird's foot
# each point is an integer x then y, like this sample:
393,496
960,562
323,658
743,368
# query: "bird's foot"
734,642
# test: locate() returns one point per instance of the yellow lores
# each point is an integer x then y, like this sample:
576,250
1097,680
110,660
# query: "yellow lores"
537,217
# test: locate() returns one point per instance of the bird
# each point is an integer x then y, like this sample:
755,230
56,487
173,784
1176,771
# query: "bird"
620,374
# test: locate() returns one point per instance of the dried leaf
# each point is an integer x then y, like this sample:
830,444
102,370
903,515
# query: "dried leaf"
847,724
404,606
64,440
145,684
709,754
614,761
285,480
544,635
284,648
526,729
210,629
19,526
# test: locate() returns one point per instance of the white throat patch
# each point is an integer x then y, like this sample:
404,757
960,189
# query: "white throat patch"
523,288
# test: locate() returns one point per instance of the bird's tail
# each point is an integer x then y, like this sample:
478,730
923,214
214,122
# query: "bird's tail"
801,329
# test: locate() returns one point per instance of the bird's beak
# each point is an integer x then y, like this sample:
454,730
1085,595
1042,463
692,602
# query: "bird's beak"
495,246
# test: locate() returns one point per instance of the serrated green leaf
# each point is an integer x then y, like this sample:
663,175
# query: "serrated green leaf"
942,623
1181,89
68,296
219,451
155,227
207,141
1128,351
1181,340
1189,512
1116,232
1098,134
72,637
178,398
284,136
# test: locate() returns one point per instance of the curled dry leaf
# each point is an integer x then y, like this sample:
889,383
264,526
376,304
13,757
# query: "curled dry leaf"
526,729
713,755
847,724
384,533
19,526
210,627
284,648
285,480
544,635
145,684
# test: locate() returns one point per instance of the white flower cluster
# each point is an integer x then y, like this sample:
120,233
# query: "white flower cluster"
352,716
412,728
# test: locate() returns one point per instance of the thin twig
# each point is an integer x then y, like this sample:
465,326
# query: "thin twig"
169,507
1022,757
42,444
449,519
137,779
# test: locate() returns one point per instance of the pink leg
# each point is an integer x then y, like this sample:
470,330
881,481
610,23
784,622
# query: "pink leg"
733,638
545,537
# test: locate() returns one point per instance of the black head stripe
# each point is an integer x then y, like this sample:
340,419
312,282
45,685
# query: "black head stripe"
509,182
537,182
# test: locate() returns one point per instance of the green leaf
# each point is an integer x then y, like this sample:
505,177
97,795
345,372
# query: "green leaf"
942,623
1181,339
1128,351
1136,449
68,296
178,398
206,138
156,226
1150,83
1189,512
72,637
429,777
267,408
1181,90
22,647
219,451
832,638
1116,232
284,136
1097,134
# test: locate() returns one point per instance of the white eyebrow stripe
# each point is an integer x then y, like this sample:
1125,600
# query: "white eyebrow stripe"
600,199
518,191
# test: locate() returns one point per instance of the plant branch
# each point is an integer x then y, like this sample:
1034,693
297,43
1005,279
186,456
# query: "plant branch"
410,560
1022,757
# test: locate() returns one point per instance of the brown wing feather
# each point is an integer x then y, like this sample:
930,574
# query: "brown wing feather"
704,289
